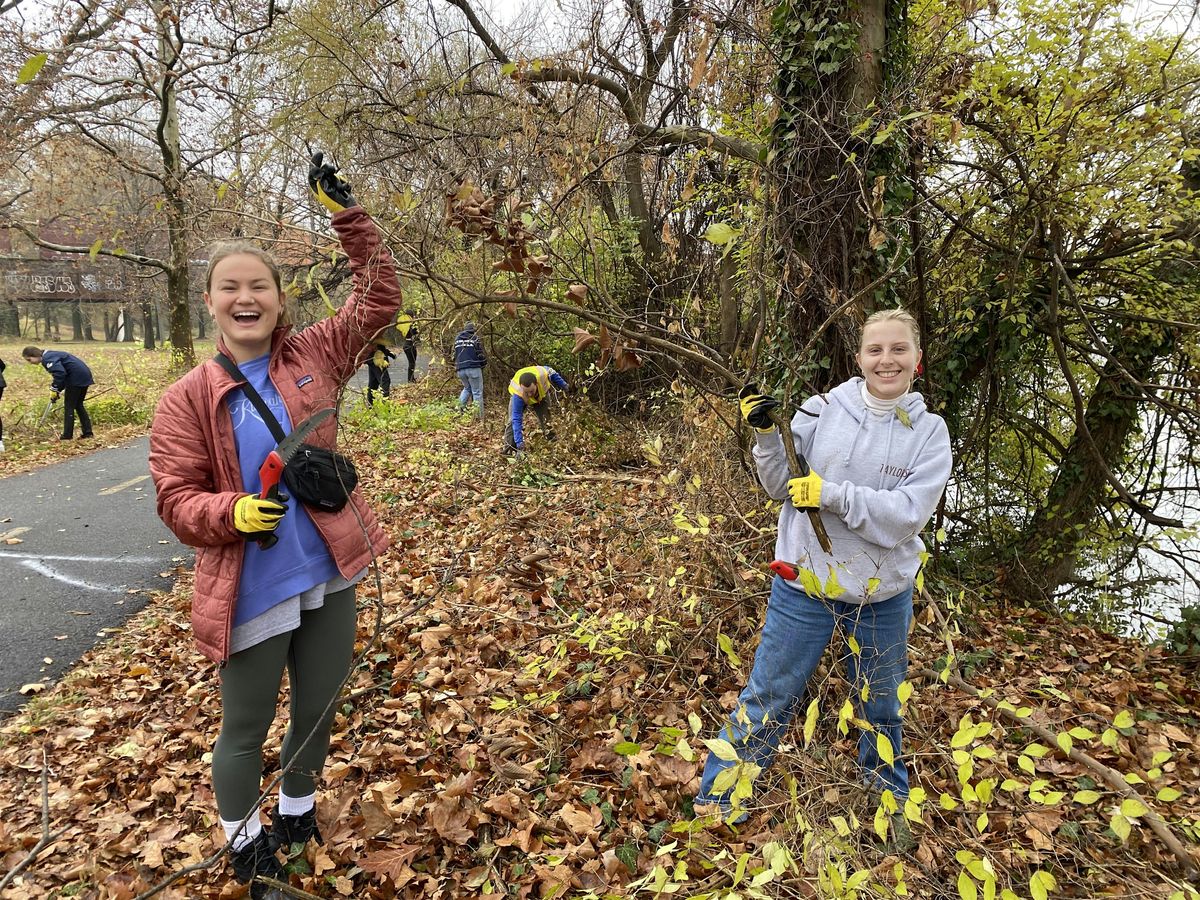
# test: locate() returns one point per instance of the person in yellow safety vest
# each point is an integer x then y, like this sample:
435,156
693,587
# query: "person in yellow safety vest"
530,387
408,330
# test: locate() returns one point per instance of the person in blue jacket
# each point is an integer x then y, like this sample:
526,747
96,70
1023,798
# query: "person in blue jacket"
530,387
469,360
70,378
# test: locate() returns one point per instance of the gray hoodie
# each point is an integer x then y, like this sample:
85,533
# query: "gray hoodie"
882,482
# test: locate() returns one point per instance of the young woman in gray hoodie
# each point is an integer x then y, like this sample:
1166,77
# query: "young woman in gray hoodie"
880,462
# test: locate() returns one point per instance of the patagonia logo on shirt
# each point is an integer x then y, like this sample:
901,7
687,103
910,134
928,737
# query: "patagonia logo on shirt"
303,381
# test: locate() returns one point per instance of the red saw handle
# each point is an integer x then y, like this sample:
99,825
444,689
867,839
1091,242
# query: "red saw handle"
784,570
269,474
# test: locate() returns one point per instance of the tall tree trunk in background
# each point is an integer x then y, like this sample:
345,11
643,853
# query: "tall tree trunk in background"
728,309
183,355
829,182
147,325
76,322
1047,552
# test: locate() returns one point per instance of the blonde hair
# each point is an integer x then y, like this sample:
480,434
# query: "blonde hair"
893,315
225,249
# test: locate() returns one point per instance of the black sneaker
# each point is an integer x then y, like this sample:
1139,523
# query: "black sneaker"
258,858
289,830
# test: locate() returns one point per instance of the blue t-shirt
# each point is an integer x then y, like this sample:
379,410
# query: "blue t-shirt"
300,560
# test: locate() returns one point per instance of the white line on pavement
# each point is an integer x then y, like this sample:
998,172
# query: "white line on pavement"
91,559
49,572
120,487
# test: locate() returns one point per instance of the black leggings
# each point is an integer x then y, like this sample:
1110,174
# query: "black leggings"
317,657
72,405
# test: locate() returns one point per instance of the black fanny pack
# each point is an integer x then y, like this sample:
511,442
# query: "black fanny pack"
321,478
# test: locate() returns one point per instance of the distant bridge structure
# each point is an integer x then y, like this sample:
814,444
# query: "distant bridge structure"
74,281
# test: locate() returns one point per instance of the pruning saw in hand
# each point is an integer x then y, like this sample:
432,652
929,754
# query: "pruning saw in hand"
271,470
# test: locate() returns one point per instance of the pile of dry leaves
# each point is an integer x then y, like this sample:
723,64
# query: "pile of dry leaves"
548,650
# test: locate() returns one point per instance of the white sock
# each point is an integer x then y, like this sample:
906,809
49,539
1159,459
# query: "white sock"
245,833
296,806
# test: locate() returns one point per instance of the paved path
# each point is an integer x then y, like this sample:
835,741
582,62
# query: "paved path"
90,544
80,543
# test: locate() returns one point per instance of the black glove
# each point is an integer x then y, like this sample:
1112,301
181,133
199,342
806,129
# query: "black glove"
332,192
756,407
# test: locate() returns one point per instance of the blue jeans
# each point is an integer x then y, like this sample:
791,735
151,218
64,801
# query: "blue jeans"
472,380
794,637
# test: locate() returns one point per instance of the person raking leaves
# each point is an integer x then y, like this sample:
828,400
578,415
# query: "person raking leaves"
879,461
70,378
275,577
530,388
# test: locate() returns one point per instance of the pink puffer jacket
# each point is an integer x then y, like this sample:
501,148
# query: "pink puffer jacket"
193,457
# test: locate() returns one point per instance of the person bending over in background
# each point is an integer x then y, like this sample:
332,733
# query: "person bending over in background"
883,460
257,611
530,387
2,386
70,378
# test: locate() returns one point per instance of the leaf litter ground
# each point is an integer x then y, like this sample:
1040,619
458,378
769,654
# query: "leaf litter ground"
553,642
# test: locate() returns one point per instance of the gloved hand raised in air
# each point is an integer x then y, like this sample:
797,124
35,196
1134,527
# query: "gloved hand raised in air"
332,192
805,491
254,515
756,407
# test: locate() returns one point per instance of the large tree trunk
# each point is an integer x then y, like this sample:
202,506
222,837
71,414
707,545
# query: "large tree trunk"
1047,553
821,193
183,355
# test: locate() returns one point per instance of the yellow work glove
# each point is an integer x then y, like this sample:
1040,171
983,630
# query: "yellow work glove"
380,360
254,515
332,192
805,491
756,407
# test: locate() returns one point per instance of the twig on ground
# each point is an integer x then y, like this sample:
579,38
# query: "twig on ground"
47,838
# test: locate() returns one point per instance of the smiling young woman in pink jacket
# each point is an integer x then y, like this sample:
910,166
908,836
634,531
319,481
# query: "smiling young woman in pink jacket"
257,611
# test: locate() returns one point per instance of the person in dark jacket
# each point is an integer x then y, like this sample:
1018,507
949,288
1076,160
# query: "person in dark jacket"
469,360
408,330
70,378
379,381
2,386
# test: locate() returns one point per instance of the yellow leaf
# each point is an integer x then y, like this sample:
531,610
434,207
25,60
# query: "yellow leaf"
695,723
810,722
854,646
30,69
1132,808
1109,738
966,887
726,645
1065,743
981,823
945,801
1124,719
1026,764
1120,826
722,749
1036,750
904,691
94,250
1086,797
881,823
1169,795
685,750
1041,883
1160,757
840,825
1082,734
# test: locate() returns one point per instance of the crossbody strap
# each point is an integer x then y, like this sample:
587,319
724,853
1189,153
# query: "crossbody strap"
252,395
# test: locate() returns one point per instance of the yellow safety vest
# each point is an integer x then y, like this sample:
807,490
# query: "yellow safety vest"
543,382
404,323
